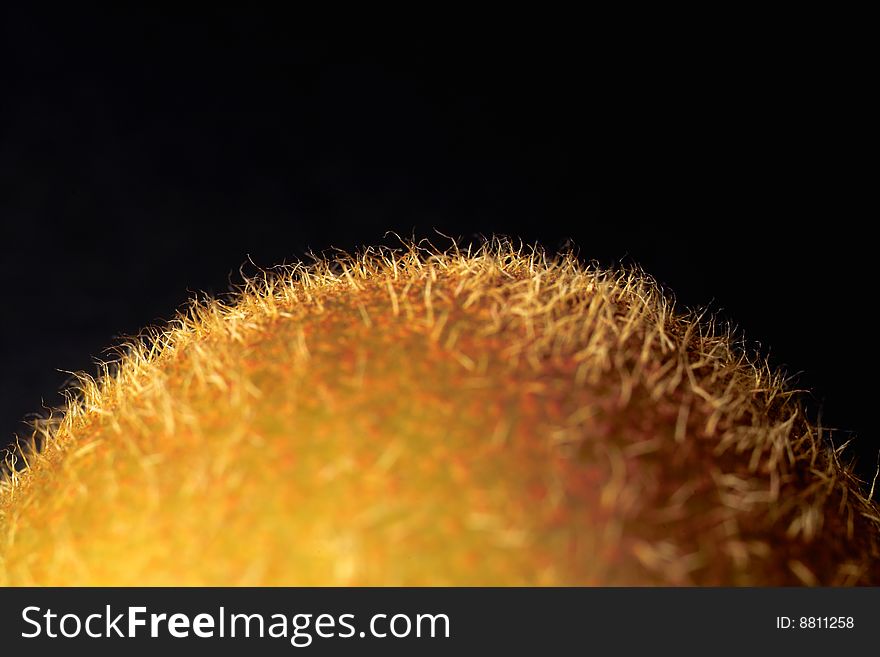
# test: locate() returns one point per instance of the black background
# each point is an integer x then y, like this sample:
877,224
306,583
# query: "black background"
144,158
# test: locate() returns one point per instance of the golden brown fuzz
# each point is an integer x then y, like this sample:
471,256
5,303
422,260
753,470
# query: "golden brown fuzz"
417,417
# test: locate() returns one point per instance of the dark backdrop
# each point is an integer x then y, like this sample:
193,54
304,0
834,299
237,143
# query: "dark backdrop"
143,158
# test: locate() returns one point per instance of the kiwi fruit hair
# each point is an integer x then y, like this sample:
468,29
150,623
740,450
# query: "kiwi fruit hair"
490,415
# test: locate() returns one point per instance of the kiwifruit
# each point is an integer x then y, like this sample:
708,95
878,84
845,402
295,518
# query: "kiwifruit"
485,416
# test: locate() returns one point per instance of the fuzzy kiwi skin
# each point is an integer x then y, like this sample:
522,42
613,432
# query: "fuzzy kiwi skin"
414,417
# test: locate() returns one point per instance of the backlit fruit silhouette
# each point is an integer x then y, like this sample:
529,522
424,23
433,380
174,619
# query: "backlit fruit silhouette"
415,417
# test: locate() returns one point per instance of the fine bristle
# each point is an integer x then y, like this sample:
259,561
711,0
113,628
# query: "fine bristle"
483,415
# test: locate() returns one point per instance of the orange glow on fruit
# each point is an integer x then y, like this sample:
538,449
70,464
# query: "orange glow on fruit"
417,417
